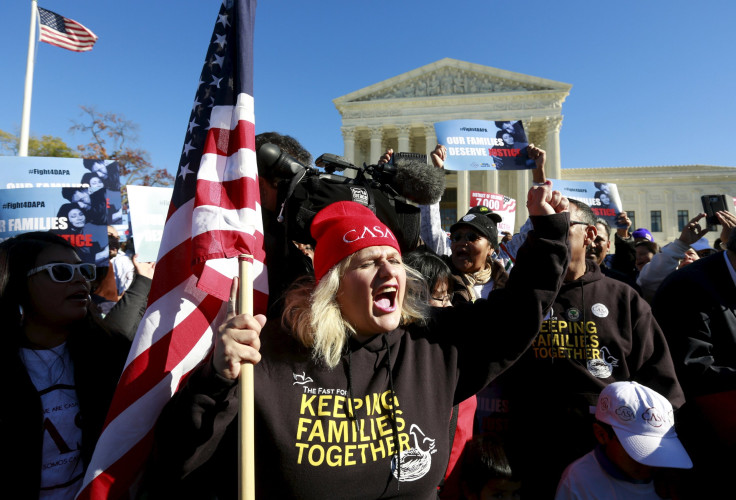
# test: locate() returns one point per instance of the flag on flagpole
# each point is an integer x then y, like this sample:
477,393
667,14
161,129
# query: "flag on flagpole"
63,32
214,215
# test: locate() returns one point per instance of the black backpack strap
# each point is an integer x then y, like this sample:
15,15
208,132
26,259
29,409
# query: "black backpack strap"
292,186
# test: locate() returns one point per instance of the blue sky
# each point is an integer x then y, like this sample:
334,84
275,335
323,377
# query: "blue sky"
652,80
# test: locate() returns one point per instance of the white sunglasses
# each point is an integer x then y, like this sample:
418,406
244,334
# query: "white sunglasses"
62,272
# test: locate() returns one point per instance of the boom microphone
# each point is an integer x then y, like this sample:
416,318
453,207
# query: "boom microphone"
421,183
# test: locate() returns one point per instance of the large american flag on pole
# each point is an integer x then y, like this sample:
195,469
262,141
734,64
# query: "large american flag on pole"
65,33
214,216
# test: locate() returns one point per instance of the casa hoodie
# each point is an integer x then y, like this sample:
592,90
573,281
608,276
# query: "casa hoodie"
599,331
376,425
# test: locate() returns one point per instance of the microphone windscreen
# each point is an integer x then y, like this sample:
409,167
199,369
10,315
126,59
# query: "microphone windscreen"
421,183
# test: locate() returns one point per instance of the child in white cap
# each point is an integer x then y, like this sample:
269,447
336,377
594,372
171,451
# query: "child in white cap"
635,429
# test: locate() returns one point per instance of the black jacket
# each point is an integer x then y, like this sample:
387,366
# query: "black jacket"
98,359
127,313
599,331
696,307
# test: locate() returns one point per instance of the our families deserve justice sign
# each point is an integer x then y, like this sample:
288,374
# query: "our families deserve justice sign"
602,197
71,197
96,175
484,145
46,209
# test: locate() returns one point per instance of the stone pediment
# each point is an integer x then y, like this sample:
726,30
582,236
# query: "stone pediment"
450,77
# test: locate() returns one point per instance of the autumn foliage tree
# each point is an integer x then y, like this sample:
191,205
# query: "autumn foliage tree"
46,145
112,139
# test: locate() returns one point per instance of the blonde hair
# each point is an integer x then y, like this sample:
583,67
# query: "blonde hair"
312,314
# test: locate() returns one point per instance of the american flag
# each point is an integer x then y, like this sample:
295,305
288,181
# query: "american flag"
214,215
509,204
65,33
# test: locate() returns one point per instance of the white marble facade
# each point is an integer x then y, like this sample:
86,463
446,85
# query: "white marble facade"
400,113
667,189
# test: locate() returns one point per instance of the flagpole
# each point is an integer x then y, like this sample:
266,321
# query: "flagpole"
25,123
246,413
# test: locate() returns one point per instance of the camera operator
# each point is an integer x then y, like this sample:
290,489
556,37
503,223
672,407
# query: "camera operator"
289,184
285,261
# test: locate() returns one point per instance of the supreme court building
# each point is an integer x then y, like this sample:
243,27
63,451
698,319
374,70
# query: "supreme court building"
400,113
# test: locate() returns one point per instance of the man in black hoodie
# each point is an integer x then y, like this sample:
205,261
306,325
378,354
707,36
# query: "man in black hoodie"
599,331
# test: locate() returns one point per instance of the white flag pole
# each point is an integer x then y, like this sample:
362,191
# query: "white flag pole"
25,123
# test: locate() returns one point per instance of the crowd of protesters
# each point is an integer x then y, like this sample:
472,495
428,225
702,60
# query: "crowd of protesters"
543,364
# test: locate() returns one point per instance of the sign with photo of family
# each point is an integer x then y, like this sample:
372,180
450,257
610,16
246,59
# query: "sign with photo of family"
50,209
100,177
602,197
484,145
498,203
72,197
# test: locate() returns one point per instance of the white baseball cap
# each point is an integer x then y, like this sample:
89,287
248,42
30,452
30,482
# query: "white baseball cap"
643,421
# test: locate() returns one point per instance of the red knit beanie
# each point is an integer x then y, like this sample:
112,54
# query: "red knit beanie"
343,228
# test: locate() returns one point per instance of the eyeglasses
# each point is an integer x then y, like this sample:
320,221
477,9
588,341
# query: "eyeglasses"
62,272
470,236
573,222
446,300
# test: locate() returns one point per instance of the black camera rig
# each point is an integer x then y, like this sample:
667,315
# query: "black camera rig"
304,190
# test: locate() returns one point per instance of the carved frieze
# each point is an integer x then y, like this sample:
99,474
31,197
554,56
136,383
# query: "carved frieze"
450,81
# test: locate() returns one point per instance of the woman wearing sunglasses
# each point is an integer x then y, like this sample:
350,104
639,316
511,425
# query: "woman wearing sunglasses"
60,366
473,239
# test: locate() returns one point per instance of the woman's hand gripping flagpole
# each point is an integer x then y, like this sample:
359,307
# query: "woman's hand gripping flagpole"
236,351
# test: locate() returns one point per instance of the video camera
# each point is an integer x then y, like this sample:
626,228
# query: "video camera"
391,190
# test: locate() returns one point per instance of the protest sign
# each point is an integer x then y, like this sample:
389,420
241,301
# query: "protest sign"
100,178
602,197
148,207
123,228
47,209
492,413
500,204
484,145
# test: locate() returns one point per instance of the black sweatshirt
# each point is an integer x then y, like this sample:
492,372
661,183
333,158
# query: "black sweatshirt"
401,385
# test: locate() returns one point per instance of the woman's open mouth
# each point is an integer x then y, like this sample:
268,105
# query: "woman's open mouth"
462,260
461,254
79,296
385,301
